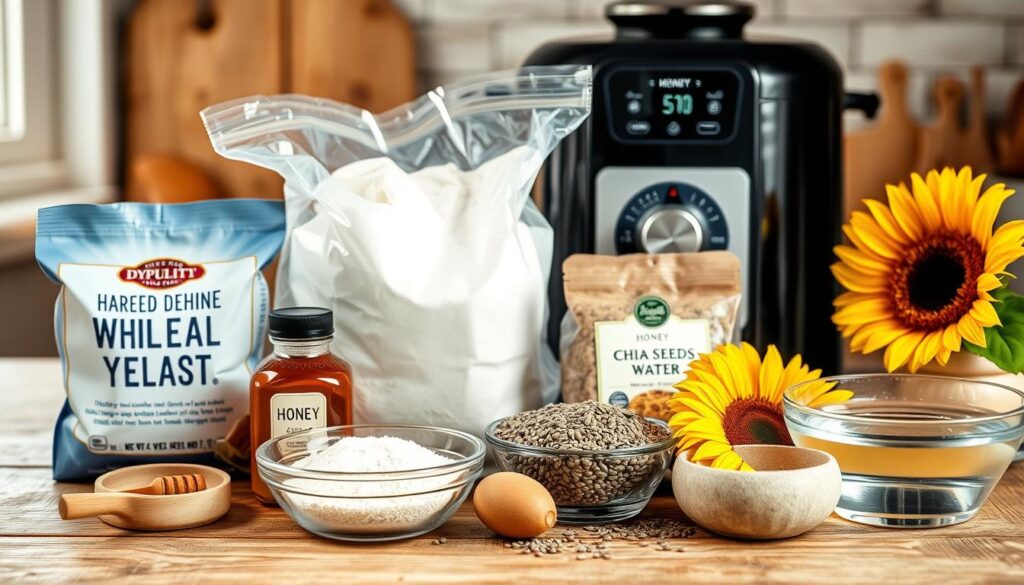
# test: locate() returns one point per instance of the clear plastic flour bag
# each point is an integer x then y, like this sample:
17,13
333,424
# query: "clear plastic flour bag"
417,229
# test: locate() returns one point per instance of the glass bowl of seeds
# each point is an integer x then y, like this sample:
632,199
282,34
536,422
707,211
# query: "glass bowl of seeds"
601,463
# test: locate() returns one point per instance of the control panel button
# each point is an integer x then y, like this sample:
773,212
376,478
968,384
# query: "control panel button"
671,230
638,127
714,107
633,106
708,128
673,128
670,217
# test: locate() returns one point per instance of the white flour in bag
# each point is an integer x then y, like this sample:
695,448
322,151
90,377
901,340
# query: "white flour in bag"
437,284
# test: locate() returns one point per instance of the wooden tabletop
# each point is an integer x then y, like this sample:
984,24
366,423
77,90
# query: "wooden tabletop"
257,544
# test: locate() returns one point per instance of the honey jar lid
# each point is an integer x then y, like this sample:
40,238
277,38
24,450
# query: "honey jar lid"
301,323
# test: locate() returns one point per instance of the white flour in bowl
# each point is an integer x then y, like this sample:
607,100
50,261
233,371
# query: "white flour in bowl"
372,504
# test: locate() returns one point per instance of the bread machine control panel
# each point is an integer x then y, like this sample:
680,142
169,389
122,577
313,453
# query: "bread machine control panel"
659,210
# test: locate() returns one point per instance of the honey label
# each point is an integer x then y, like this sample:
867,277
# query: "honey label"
291,413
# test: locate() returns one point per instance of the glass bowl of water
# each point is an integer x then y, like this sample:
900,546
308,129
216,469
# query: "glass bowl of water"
915,451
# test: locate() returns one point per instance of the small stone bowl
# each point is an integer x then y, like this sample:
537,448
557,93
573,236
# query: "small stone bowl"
794,490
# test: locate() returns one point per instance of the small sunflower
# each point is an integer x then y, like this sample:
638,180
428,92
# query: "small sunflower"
731,397
921,269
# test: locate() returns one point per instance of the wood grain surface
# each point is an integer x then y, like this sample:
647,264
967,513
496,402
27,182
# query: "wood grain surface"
258,544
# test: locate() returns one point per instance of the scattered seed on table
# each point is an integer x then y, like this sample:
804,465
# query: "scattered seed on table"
592,544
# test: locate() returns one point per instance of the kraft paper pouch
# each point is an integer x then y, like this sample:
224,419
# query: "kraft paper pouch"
159,321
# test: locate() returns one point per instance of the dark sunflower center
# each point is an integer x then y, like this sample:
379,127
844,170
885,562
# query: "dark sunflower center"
935,281
753,421
934,284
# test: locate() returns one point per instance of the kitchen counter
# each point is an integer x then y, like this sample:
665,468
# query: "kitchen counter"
255,544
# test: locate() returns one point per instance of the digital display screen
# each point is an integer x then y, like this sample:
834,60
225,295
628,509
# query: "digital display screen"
674,104
667,105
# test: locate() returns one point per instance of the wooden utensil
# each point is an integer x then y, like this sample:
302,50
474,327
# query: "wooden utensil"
117,507
939,145
168,485
1010,138
884,152
184,56
974,147
169,179
356,51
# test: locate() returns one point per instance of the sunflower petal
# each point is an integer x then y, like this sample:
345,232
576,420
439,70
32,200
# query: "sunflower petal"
988,282
904,211
900,350
867,311
873,236
729,460
833,397
926,350
947,196
710,450
943,356
886,221
951,339
971,202
859,281
860,260
984,313
884,337
987,210
926,203
971,331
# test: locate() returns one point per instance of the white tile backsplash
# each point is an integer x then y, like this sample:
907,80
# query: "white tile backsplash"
451,48
981,7
834,37
854,8
515,40
497,10
932,42
461,37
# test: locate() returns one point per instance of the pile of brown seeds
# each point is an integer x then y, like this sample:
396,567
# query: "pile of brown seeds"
584,426
600,542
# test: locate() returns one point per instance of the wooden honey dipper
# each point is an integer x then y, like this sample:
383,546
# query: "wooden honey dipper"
168,485
72,506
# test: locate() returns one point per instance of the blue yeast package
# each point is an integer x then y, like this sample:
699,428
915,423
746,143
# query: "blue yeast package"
159,322
417,228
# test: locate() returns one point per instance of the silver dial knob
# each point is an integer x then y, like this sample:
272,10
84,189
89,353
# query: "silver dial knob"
670,229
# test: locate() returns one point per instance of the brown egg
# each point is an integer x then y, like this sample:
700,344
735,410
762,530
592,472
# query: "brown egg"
514,505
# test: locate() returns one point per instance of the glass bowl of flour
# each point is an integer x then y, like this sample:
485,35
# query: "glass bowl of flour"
371,482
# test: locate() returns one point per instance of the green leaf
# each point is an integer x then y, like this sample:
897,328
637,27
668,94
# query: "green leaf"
1005,344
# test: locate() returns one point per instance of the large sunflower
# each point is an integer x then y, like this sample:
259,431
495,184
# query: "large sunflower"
920,271
731,397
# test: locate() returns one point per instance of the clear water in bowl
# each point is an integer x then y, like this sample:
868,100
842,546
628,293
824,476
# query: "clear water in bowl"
915,480
910,454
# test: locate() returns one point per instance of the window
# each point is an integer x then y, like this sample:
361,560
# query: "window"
28,87
57,130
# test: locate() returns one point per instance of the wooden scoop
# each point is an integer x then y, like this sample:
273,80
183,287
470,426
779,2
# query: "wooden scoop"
181,496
